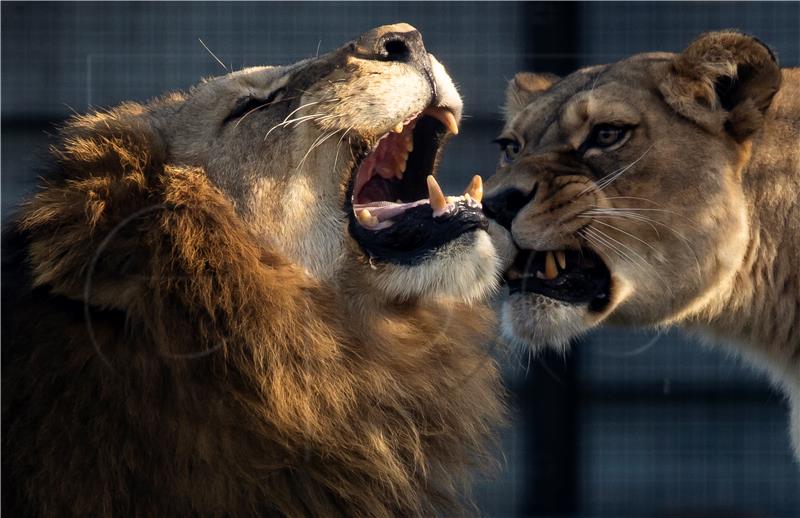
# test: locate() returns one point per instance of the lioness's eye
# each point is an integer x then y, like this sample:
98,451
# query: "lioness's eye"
606,135
510,148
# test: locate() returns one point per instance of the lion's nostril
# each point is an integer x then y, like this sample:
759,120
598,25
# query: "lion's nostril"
504,206
396,49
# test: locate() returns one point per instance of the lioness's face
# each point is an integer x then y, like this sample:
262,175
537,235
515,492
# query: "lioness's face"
623,204
328,161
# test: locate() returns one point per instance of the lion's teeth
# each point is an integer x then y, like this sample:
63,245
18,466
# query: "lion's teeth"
398,128
550,271
409,143
444,116
366,218
436,196
475,188
561,258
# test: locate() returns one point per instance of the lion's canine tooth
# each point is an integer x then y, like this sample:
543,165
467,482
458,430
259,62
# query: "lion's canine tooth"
561,258
550,271
475,188
366,218
398,128
444,116
410,143
436,196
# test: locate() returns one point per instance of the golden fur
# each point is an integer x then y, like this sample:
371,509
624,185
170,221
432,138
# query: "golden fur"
167,351
700,228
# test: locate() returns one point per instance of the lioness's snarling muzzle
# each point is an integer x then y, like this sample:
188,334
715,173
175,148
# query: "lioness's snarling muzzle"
544,214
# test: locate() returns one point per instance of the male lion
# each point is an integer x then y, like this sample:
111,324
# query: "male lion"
197,321
662,189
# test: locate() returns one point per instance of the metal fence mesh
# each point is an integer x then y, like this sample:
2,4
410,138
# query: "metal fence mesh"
664,427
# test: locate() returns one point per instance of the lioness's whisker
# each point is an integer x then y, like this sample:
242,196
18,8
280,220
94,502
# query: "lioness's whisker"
639,217
644,263
608,180
627,234
596,213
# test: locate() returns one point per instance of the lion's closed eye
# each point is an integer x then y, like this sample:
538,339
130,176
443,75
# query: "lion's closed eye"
249,104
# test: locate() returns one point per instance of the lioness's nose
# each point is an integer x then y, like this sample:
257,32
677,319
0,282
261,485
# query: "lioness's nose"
504,206
398,42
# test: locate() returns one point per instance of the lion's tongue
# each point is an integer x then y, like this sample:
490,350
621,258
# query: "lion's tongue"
381,214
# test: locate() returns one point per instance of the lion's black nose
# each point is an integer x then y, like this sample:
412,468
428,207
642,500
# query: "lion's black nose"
398,42
504,206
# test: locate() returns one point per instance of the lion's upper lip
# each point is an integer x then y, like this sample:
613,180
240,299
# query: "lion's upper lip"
397,174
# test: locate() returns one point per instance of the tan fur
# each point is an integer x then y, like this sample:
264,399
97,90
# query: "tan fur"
220,368
702,229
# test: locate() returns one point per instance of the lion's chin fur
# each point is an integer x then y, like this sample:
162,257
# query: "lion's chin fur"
214,377
464,269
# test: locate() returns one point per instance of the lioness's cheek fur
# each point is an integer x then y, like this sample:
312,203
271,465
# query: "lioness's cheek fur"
695,214
189,328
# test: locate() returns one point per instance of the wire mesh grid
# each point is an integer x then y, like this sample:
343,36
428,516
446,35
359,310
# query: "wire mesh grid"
665,427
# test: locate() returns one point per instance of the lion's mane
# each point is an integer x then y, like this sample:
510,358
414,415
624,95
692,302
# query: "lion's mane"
159,361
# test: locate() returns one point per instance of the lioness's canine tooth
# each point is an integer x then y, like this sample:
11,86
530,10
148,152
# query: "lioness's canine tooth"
475,188
398,128
436,196
410,143
561,257
550,270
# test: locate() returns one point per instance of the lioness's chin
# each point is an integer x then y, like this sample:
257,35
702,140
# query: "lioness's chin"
466,268
536,321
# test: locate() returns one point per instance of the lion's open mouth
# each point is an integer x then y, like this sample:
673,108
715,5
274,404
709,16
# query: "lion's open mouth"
573,276
398,211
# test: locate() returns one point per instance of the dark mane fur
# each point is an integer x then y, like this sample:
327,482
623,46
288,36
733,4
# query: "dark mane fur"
215,378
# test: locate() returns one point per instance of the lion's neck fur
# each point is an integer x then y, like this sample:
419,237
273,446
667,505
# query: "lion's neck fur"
761,308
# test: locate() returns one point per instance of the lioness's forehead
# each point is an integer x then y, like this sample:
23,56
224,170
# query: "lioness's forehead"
604,82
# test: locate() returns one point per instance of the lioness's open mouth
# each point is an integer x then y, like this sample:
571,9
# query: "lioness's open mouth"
398,212
573,276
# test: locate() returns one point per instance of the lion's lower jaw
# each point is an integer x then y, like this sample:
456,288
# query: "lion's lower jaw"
466,269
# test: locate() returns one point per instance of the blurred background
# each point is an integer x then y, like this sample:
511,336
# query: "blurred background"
629,423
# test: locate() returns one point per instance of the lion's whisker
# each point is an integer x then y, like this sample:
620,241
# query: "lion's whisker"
286,123
338,147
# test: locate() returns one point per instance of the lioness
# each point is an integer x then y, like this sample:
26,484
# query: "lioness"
252,299
663,189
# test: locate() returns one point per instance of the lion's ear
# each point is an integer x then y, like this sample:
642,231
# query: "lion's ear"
523,89
724,81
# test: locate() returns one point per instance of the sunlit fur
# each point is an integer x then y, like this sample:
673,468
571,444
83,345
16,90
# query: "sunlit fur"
697,214
189,330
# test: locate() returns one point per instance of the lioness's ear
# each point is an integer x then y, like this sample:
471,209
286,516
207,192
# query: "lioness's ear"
723,81
523,89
